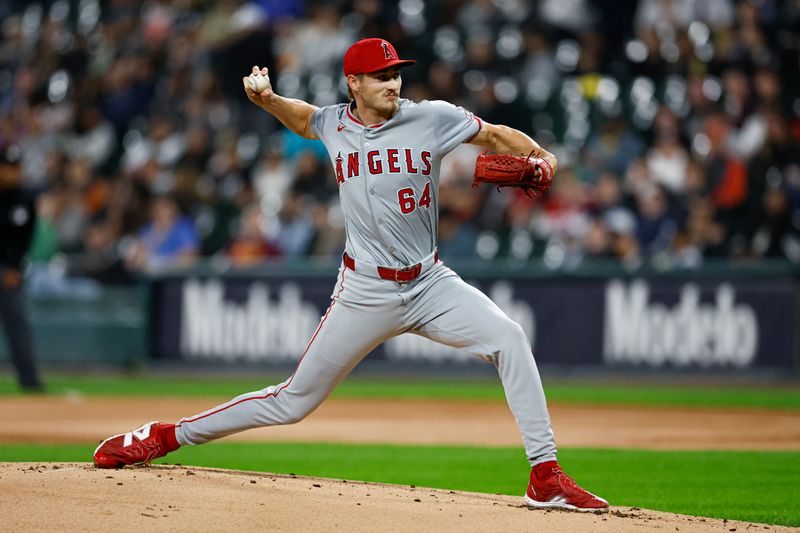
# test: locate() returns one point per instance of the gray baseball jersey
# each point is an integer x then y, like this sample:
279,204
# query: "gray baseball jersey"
388,175
391,281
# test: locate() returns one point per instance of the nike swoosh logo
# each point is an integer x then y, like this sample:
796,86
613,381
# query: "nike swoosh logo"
341,127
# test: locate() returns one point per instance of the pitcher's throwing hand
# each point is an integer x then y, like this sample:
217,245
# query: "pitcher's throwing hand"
258,86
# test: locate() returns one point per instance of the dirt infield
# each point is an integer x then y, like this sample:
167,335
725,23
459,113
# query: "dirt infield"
77,497
74,419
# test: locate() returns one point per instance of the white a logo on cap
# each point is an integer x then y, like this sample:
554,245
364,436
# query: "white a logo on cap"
387,52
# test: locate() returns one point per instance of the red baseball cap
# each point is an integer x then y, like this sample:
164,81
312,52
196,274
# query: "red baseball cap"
372,55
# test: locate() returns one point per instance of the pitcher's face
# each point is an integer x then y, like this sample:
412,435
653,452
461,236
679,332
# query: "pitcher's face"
380,91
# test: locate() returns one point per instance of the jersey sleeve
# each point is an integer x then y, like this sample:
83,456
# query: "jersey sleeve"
321,118
453,125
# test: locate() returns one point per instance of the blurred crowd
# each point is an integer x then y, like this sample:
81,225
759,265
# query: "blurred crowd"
675,123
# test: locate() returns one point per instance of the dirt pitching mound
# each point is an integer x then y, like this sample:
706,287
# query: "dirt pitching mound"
78,497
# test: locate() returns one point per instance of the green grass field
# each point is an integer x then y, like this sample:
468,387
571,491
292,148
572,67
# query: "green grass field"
568,392
752,486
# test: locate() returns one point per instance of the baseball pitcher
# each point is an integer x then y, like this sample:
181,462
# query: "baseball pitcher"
386,152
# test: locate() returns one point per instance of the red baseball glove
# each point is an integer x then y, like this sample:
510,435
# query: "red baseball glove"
532,174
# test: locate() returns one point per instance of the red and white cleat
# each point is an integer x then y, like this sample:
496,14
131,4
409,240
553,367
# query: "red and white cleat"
151,441
550,487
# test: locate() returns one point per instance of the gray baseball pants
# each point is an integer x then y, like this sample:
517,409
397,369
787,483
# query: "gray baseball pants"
365,312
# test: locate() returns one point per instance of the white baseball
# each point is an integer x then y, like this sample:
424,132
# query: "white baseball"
257,83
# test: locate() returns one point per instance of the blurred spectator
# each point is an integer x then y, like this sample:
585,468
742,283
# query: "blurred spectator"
94,140
47,271
329,233
776,236
612,148
45,243
682,253
540,71
313,44
74,203
456,238
310,177
458,166
703,230
778,160
656,226
249,246
624,245
726,178
751,45
169,241
658,15
597,242
127,89
607,193
566,206
39,141
573,15
294,230
667,159
272,177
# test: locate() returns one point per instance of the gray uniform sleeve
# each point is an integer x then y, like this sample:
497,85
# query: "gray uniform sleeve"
320,117
453,125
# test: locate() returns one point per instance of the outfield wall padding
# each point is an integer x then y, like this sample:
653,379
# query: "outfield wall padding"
688,321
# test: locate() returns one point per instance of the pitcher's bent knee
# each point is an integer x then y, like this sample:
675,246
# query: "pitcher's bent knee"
296,409
508,337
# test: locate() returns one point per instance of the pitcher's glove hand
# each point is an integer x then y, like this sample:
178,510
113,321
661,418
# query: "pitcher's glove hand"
532,174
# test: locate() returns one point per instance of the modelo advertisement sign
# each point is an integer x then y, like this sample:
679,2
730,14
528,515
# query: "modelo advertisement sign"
656,322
